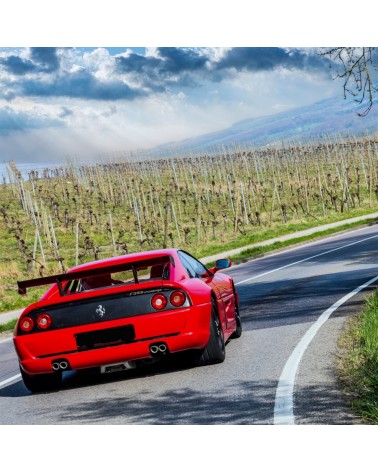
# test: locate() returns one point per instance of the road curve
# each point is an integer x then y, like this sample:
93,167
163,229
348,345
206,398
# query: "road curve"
282,296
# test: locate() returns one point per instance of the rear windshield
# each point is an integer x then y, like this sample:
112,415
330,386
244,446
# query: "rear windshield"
138,272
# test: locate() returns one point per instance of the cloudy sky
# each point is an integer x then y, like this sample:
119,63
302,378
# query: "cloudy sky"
86,102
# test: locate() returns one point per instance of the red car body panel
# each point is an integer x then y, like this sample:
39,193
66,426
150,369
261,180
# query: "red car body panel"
88,327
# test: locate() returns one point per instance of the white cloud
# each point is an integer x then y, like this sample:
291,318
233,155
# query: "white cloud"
100,63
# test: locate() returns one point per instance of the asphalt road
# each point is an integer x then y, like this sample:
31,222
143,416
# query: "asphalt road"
282,296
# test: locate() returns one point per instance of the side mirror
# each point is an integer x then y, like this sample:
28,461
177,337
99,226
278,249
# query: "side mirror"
221,264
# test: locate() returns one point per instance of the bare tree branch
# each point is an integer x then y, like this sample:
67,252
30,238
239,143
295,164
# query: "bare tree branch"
356,65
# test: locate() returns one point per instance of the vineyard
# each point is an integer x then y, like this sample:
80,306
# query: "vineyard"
204,204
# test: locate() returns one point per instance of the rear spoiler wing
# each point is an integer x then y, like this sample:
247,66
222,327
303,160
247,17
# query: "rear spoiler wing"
80,274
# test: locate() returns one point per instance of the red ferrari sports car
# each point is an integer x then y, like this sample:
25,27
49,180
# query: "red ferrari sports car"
114,312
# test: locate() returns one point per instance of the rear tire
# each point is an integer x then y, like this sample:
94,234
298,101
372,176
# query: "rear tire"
239,329
42,382
215,351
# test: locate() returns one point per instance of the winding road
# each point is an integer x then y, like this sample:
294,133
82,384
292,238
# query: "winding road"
294,304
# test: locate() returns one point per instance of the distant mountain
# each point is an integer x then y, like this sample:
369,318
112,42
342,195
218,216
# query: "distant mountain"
313,122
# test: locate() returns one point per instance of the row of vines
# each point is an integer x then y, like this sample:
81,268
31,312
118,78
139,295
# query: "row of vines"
64,216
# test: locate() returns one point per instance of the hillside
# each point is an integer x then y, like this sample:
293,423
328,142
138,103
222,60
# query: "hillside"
327,117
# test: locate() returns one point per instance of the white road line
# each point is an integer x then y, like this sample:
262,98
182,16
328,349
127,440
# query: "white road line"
8,381
304,260
5,382
284,405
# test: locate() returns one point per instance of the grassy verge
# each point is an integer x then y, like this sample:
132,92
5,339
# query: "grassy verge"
260,250
282,244
8,326
358,364
258,235
11,300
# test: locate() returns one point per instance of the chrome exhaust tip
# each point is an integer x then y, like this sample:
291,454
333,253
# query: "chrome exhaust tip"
158,349
154,349
60,364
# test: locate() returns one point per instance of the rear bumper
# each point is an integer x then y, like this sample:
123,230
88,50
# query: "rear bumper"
181,329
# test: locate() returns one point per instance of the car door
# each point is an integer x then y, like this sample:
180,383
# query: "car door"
217,282
226,295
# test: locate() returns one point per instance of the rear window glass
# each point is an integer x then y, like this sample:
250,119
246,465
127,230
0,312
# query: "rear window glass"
137,273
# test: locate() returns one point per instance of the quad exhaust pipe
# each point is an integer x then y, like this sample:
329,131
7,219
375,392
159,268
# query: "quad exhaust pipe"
158,349
60,364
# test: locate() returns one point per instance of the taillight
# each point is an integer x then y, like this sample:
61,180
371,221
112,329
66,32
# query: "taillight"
159,301
177,298
26,324
44,321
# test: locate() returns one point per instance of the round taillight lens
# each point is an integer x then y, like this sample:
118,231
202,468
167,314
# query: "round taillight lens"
44,321
26,324
177,298
159,301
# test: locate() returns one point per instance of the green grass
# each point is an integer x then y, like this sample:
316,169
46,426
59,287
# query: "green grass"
358,366
11,300
258,235
8,326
